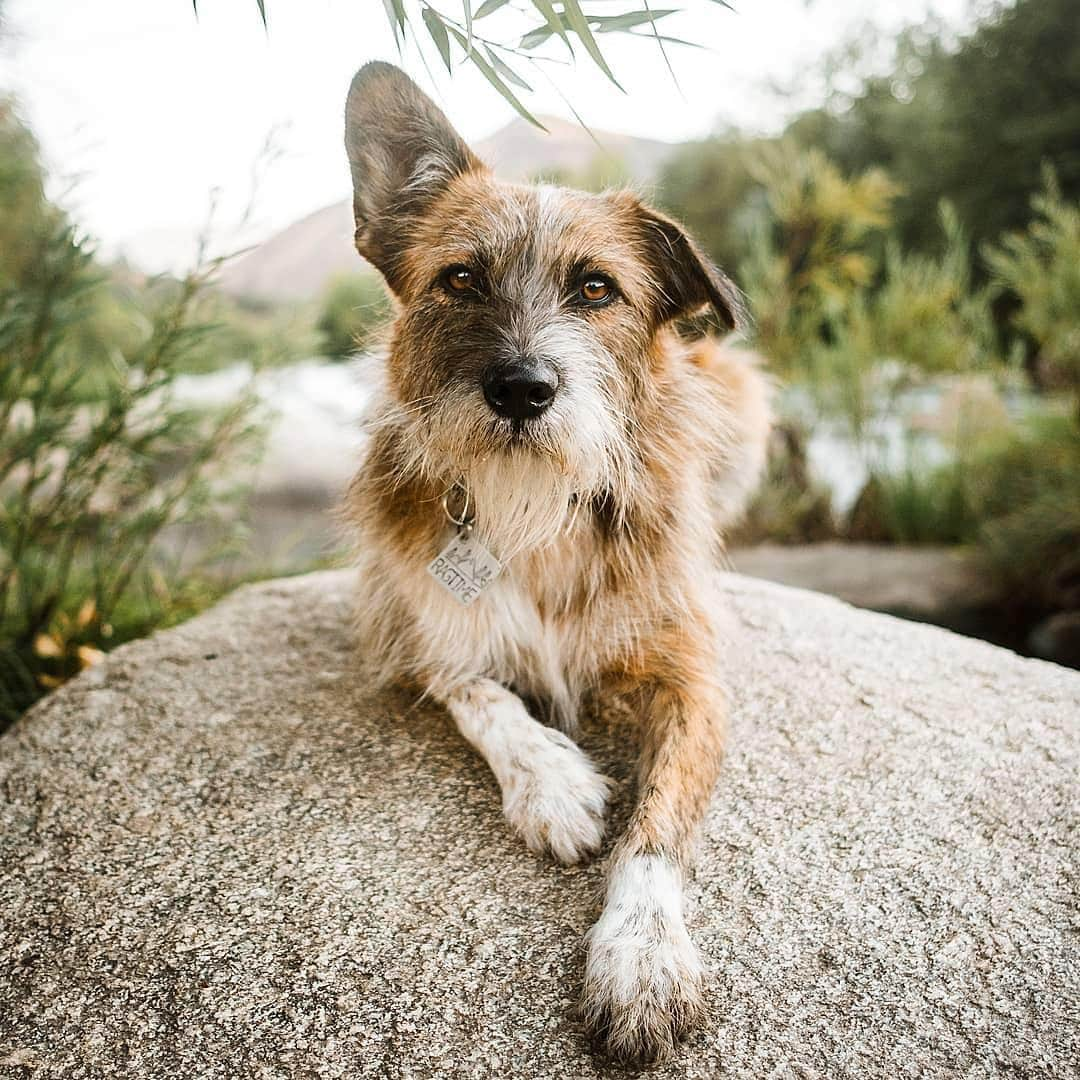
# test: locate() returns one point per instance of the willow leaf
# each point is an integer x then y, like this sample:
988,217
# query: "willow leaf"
534,38
506,71
395,13
578,23
606,24
494,78
437,29
662,47
555,24
665,37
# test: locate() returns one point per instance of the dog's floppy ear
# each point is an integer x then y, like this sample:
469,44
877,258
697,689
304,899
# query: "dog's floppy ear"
685,278
402,153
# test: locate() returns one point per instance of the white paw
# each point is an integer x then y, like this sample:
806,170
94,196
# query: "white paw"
643,975
553,796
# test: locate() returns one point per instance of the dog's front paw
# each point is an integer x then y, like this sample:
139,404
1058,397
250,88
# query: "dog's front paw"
554,798
643,978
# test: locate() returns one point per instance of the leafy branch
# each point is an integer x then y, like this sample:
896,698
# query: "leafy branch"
460,38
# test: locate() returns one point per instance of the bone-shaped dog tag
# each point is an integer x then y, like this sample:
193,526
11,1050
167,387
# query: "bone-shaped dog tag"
465,568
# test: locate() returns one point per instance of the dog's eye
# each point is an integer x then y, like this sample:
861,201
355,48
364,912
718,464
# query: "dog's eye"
459,279
595,289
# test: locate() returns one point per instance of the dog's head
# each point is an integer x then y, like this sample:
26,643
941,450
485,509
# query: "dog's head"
528,314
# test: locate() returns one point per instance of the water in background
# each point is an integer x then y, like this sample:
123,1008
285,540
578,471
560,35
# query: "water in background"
314,441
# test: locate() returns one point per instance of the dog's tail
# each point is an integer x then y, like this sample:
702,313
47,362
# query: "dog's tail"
743,395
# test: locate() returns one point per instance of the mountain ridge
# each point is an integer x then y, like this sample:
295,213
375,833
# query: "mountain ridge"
297,262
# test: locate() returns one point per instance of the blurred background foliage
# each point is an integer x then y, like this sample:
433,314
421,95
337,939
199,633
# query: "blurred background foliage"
98,457
971,120
911,254
918,234
354,311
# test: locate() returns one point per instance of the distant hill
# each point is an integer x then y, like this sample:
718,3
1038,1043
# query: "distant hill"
297,263
520,151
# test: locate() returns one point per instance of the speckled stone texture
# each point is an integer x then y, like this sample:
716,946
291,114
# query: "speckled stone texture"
220,856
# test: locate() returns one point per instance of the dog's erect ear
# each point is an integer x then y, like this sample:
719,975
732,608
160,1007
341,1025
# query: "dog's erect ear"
402,153
686,280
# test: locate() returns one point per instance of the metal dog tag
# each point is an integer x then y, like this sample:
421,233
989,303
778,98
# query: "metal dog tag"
465,568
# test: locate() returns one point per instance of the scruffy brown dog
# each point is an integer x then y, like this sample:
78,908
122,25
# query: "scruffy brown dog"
538,512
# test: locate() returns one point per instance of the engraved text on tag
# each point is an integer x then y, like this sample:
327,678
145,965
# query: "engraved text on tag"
465,568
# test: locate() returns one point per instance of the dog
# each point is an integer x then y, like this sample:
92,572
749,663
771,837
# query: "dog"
538,511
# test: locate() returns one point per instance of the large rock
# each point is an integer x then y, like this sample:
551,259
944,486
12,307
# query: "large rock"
220,856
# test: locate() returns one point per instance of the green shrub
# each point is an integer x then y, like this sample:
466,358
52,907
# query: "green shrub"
1014,491
355,309
604,170
87,487
1041,269
814,249
92,472
922,320
24,212
1015,497
968,118
840,308
926,313
790,507
914,506
235,330
709,186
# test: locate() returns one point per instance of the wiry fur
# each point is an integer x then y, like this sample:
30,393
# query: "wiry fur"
605,512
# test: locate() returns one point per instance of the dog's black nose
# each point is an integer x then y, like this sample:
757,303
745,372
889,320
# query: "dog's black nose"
522,389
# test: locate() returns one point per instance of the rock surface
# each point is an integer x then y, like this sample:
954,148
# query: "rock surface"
918,582
221,857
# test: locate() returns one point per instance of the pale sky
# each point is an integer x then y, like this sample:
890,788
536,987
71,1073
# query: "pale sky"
143,110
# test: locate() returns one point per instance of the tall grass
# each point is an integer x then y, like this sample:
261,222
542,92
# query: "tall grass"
97,455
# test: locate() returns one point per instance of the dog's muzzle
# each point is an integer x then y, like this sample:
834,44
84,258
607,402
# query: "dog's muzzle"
521,389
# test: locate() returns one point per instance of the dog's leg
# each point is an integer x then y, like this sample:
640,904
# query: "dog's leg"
552,794
643,975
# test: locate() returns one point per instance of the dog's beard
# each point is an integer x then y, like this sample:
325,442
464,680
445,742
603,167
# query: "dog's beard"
522,500
527,483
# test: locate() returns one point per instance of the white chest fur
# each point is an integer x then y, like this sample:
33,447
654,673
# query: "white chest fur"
517,631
